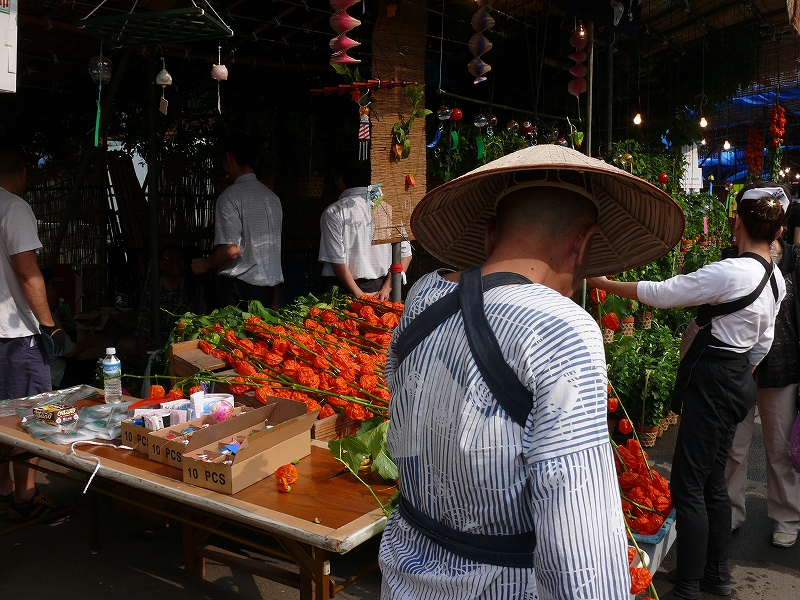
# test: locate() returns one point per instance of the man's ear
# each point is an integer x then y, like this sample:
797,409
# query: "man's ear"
582,241
490,236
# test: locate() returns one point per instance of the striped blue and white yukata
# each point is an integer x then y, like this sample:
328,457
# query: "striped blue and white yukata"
464,462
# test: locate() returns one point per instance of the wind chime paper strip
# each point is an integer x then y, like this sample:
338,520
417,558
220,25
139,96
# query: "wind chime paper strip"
157,27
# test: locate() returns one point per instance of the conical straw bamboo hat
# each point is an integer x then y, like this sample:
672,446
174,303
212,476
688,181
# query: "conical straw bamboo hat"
639,223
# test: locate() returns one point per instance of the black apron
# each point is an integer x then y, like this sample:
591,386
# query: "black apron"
514,551
705,345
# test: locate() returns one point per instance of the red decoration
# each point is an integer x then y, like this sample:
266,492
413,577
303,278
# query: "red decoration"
576,87
777,125
456,114
663,178
754,155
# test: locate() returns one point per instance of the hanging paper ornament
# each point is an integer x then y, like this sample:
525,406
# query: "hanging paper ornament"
526,127
579,70
443,114
478,43
576,87
578,41
220,73
163,79
364,132
341,23
480,122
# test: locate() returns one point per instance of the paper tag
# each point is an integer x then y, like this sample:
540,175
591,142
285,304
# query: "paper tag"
163,105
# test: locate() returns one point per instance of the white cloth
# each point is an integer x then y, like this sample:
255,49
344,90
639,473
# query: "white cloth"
466,463
249,215
749,330
18,233
777,408
347,229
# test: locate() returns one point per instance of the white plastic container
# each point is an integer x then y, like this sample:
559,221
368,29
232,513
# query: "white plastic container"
112,377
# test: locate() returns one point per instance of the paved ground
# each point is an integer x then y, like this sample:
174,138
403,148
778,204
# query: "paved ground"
139,560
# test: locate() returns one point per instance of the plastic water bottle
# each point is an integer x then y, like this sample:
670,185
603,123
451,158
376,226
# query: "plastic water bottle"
112,377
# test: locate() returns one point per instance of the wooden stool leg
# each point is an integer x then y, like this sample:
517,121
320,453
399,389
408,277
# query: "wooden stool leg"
94,535
195,565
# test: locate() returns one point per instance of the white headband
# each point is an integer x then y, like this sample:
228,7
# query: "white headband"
768,192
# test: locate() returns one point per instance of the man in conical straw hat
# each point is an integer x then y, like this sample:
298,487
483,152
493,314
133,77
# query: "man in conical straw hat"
498,380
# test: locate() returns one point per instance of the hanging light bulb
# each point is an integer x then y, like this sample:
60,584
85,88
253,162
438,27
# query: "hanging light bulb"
637,120
703,122
726,145
581,30
797,176
703,142
781,173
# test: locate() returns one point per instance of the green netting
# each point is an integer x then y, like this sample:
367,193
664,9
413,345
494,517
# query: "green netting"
157,27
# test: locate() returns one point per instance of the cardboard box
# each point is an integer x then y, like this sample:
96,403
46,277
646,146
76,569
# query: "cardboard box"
56,413
171,451
261,450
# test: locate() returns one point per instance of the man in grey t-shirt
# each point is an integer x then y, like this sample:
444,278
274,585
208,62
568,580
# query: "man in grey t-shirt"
247,232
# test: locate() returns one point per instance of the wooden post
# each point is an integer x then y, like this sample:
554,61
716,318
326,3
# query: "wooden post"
152,199
590,91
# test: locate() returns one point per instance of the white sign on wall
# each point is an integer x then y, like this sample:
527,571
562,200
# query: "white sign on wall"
8,48
693,176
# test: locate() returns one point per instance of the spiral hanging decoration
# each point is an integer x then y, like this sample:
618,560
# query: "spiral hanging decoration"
478,44
578,41
341,23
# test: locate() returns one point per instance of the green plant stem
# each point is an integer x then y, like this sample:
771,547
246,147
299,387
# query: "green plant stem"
386,511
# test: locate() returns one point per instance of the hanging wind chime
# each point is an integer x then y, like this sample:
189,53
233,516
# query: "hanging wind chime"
578,41
163,79
480,122
443,114
220,73
100,71
478,43
341,23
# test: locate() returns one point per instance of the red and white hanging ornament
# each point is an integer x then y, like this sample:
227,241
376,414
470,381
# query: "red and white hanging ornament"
478,44
341,23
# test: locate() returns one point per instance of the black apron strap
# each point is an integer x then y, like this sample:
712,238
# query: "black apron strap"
707,312
500,378
513,551
441,310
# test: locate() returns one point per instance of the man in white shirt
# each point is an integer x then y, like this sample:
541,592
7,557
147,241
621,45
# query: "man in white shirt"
247,232
350,259
25,325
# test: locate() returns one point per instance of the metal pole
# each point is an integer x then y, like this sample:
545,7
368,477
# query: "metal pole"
610,92
590,91
397,278
152,199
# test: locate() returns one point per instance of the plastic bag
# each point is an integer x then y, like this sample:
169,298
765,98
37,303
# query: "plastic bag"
101,421
794,444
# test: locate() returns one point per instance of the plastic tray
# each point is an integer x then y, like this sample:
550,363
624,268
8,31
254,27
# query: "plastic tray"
658,535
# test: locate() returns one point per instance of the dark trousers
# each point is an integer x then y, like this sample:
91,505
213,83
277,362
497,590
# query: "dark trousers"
232,291
24,369
720,393
367,285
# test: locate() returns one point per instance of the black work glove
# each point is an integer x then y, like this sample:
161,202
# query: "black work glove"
56,337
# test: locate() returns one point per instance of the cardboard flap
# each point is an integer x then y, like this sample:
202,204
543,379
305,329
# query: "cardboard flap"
268,438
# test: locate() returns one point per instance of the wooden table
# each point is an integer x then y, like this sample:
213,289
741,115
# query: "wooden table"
320,516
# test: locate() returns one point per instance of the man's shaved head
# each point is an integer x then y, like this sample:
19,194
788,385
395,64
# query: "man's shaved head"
550,213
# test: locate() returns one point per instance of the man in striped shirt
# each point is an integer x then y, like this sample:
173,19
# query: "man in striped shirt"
472,477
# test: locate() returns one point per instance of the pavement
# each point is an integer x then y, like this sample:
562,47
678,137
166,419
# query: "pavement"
139,560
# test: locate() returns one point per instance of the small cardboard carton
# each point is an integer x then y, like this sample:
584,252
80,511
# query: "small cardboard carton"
168,445
283,436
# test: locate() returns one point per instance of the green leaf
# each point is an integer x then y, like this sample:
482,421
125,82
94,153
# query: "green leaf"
406,148
369,424
421,114
350,450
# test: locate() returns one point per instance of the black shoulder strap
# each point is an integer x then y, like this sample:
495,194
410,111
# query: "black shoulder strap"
709,311
441,310
501,380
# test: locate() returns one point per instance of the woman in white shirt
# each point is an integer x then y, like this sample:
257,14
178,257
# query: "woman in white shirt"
738,300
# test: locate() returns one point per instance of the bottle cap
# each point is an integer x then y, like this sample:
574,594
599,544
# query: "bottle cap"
111,350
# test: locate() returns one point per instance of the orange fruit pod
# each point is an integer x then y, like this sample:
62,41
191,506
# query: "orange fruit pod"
285,476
